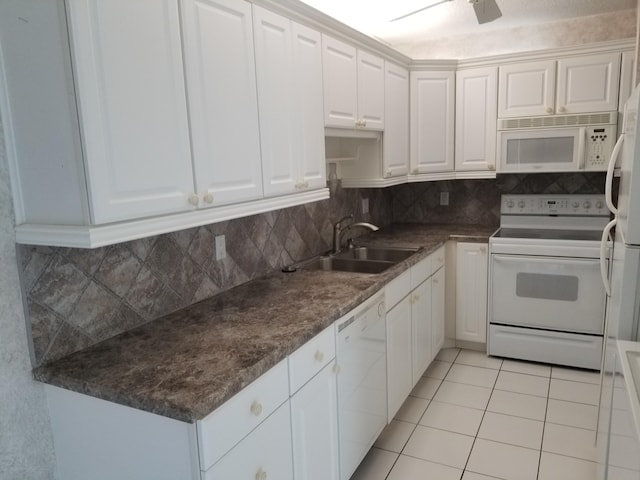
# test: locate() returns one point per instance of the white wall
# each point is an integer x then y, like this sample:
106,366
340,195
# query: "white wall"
26,445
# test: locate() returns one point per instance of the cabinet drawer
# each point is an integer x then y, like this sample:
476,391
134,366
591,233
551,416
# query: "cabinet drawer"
421,271
265,453
309,359
397,289
232,421
437,259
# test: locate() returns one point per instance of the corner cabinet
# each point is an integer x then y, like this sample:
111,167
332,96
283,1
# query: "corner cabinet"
581,84
432,123
476,113
471,292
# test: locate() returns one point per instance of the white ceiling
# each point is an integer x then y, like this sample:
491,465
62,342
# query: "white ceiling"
454,17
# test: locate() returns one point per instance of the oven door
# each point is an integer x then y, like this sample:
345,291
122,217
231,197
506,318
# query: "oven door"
553,293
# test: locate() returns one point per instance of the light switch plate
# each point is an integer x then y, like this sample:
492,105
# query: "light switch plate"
221,248
365,206
444,198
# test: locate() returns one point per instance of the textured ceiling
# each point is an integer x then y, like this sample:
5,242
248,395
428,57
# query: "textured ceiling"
454,17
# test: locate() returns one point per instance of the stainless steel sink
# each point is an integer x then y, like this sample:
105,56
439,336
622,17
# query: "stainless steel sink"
383,254
360,260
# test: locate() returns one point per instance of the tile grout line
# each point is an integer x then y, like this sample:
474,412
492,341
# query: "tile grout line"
544,425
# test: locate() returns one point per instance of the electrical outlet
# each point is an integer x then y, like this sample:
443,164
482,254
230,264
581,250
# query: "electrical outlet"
444,198
365,206
221,248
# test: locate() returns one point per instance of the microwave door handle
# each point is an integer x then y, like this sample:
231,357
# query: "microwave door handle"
608,183
604,271
582,137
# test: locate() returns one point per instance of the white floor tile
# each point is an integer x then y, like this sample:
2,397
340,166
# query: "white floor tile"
569,441
522,383
558,467
530,368
475,476
520,405
616,473
463,395
574,391
438,369
438,446
478,359
519,431
409,468
412,409
426,388
576,375
470,375
453,418
572,414
375,466
503,461
447,354
395,436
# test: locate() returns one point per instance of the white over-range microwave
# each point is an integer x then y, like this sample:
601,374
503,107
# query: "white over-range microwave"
560,143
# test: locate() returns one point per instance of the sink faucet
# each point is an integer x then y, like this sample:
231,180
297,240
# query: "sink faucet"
338,231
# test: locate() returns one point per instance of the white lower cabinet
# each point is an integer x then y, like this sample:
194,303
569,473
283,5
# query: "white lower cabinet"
399,333
421,329
471,292
438,291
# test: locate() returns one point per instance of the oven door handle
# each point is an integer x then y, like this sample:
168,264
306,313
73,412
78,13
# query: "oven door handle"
604,271
608,183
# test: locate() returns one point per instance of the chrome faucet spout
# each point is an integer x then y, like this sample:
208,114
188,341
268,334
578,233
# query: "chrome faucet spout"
339,232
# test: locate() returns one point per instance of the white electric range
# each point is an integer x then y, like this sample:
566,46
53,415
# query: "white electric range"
546,298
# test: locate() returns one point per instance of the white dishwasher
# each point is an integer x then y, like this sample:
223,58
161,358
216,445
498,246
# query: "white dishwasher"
362,381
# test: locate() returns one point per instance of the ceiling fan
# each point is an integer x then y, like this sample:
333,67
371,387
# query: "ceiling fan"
486,10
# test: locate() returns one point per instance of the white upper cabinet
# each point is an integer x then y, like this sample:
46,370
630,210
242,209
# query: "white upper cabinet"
221,83
395,156
131,104
353,86
289,75
476,114
583,84
432,121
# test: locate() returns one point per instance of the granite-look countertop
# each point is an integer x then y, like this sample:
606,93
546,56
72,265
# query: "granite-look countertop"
186,364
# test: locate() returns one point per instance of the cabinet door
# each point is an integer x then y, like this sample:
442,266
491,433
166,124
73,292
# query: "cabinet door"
223,107
438,301
588,84
132,107
395,157
399,344
527,89
476,116
314,416
421,326
340,73
471,292
627,72
370,91
307,61
432,121
264,453
276,101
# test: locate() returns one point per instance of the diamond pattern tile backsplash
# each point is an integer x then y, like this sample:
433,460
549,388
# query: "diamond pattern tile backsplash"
77,297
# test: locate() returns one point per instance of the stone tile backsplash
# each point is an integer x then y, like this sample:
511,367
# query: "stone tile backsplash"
76,297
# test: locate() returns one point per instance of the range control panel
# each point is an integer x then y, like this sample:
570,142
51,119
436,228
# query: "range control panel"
593,205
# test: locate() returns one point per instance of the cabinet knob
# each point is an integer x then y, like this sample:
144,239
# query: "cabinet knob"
336,368
305,184
435,280
491,167
261,474
208,198
483,249
415,171
549,110
562,110
256,408
416,298
193,200
319,356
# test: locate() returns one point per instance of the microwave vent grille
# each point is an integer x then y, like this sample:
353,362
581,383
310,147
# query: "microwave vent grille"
557,121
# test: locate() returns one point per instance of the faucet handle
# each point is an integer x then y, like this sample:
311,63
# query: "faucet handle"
343,219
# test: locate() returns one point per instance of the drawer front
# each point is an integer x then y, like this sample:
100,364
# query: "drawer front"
232,421
437,259
421,271
265,454
309,359
397,289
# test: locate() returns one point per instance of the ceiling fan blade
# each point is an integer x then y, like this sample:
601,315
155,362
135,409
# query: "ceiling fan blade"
419,10
486,10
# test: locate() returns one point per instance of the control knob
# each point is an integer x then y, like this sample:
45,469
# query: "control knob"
509,203
575,204
587,204
599,204
521,204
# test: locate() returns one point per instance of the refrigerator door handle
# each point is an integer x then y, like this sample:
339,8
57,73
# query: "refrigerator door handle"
604,271
608,184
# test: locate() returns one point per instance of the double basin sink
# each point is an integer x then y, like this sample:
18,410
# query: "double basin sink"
359,259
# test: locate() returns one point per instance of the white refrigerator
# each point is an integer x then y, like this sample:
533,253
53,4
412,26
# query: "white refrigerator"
618,439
